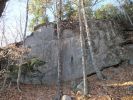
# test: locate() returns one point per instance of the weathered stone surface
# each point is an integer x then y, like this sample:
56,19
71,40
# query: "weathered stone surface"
128,53
66,97
105,40
131,61
130,88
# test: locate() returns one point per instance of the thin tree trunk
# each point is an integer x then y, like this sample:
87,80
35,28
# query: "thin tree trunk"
98,72
6,75
24,35
125,13
19,75
4,82
59,31
84,59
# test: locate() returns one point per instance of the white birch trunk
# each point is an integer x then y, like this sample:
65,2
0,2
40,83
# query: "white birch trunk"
84,59
93,61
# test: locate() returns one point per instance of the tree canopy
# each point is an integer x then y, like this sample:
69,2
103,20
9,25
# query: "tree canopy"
37,8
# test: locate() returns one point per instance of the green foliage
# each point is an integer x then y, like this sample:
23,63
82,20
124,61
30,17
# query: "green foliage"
129,9
27,66
37,8
13,70
35,62
88,8
38,20
69,11
106,12
111,12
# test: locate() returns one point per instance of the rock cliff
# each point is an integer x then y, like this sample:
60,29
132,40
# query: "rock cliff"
105,36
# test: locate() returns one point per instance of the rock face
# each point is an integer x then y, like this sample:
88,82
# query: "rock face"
105,39
65,97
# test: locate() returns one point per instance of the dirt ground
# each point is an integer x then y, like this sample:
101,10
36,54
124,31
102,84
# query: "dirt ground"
116,87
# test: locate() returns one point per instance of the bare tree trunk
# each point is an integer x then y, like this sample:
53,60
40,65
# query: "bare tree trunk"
59,31
24,35
125,13
93,61
3,34
84,58
4,82
6,74
26,20
19,75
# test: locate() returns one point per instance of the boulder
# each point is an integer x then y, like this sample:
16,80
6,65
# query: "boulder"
105,40
66,97
130,88
131,61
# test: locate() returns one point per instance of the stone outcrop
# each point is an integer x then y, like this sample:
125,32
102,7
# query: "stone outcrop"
66,97
127,44
105,36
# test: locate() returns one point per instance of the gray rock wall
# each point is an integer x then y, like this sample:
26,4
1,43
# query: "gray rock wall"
105,39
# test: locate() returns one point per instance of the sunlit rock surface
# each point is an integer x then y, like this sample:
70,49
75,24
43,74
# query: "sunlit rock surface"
105,36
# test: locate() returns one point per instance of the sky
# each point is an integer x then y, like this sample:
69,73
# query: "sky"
14,12
11,20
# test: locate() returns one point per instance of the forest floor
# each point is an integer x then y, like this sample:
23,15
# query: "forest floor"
117,87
